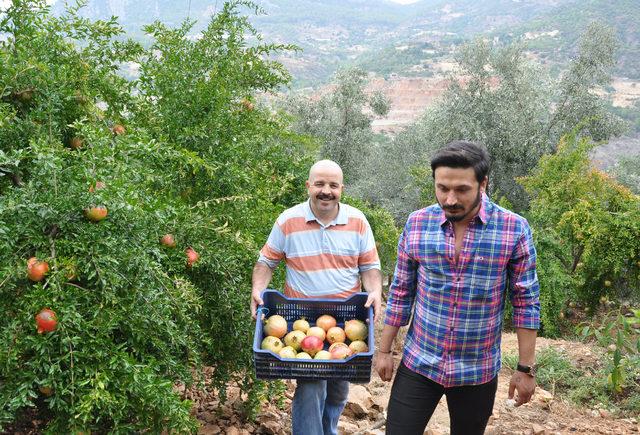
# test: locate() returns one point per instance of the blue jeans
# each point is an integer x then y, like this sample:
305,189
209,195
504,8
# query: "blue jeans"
317,406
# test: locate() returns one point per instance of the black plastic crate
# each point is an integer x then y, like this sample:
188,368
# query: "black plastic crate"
356,368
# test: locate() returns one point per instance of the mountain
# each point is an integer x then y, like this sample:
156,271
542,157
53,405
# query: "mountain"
555,34
388,37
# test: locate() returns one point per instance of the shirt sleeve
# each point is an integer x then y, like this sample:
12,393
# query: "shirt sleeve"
273,251
402,290
523,283
368,256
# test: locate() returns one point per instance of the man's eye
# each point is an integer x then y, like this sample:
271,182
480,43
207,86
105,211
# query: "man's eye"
334,186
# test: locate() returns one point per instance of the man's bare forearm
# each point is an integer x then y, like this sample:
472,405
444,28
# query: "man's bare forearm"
372,280
389,334
526,345
261,277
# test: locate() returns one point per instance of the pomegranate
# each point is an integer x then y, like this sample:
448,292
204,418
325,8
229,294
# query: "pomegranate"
272,343
358,346
168,241
36,270
118,129
247,104
323,354
294,338
287,352
316,331
275,326
336,335
335,345
99,185
303,355
46,321
356,329
311,345
75,143
46,391
301,325
192,257
96,214
340,352
326,322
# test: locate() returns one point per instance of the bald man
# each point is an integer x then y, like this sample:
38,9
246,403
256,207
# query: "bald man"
329,252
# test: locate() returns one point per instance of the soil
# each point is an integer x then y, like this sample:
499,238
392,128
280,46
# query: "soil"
365,412
544,415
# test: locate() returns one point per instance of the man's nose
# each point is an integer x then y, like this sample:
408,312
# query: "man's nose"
451,199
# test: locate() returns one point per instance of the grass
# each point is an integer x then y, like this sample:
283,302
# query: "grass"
586,385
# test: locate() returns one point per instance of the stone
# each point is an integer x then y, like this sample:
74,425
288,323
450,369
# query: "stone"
604,413
538,430
273,427
209,417
347,427
359,401
210,429
543,396
490,430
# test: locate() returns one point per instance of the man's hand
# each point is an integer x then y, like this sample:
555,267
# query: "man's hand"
375,298
384,365
524,384
256,300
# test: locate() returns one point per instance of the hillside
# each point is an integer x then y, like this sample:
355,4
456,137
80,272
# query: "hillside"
554,34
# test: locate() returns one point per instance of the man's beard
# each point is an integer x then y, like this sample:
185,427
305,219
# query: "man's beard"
458,218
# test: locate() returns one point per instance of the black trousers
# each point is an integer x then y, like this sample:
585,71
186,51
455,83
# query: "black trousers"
415,397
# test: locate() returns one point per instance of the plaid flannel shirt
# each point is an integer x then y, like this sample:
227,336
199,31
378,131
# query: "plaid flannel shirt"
454,337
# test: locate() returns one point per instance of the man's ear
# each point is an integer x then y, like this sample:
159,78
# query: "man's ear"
483,185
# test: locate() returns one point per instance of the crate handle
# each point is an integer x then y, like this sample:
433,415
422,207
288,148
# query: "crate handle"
262,310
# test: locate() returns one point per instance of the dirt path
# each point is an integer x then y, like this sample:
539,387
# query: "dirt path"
365,411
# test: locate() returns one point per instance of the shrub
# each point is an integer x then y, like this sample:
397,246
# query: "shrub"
195,160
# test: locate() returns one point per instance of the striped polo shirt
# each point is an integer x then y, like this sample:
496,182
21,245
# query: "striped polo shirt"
323,261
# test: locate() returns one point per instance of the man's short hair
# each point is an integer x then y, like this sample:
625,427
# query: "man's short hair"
463,154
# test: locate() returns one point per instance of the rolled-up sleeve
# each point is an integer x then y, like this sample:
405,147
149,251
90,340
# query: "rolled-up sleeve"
273,251
402,290
523,283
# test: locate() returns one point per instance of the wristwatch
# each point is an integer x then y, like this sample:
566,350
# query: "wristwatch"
529,370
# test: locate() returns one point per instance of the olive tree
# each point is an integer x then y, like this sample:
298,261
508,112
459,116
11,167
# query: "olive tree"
508,102
341,121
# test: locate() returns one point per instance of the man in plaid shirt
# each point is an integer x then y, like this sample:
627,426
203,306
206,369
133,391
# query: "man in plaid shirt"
456,259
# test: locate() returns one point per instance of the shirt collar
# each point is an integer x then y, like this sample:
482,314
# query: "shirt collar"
482,215
340,219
